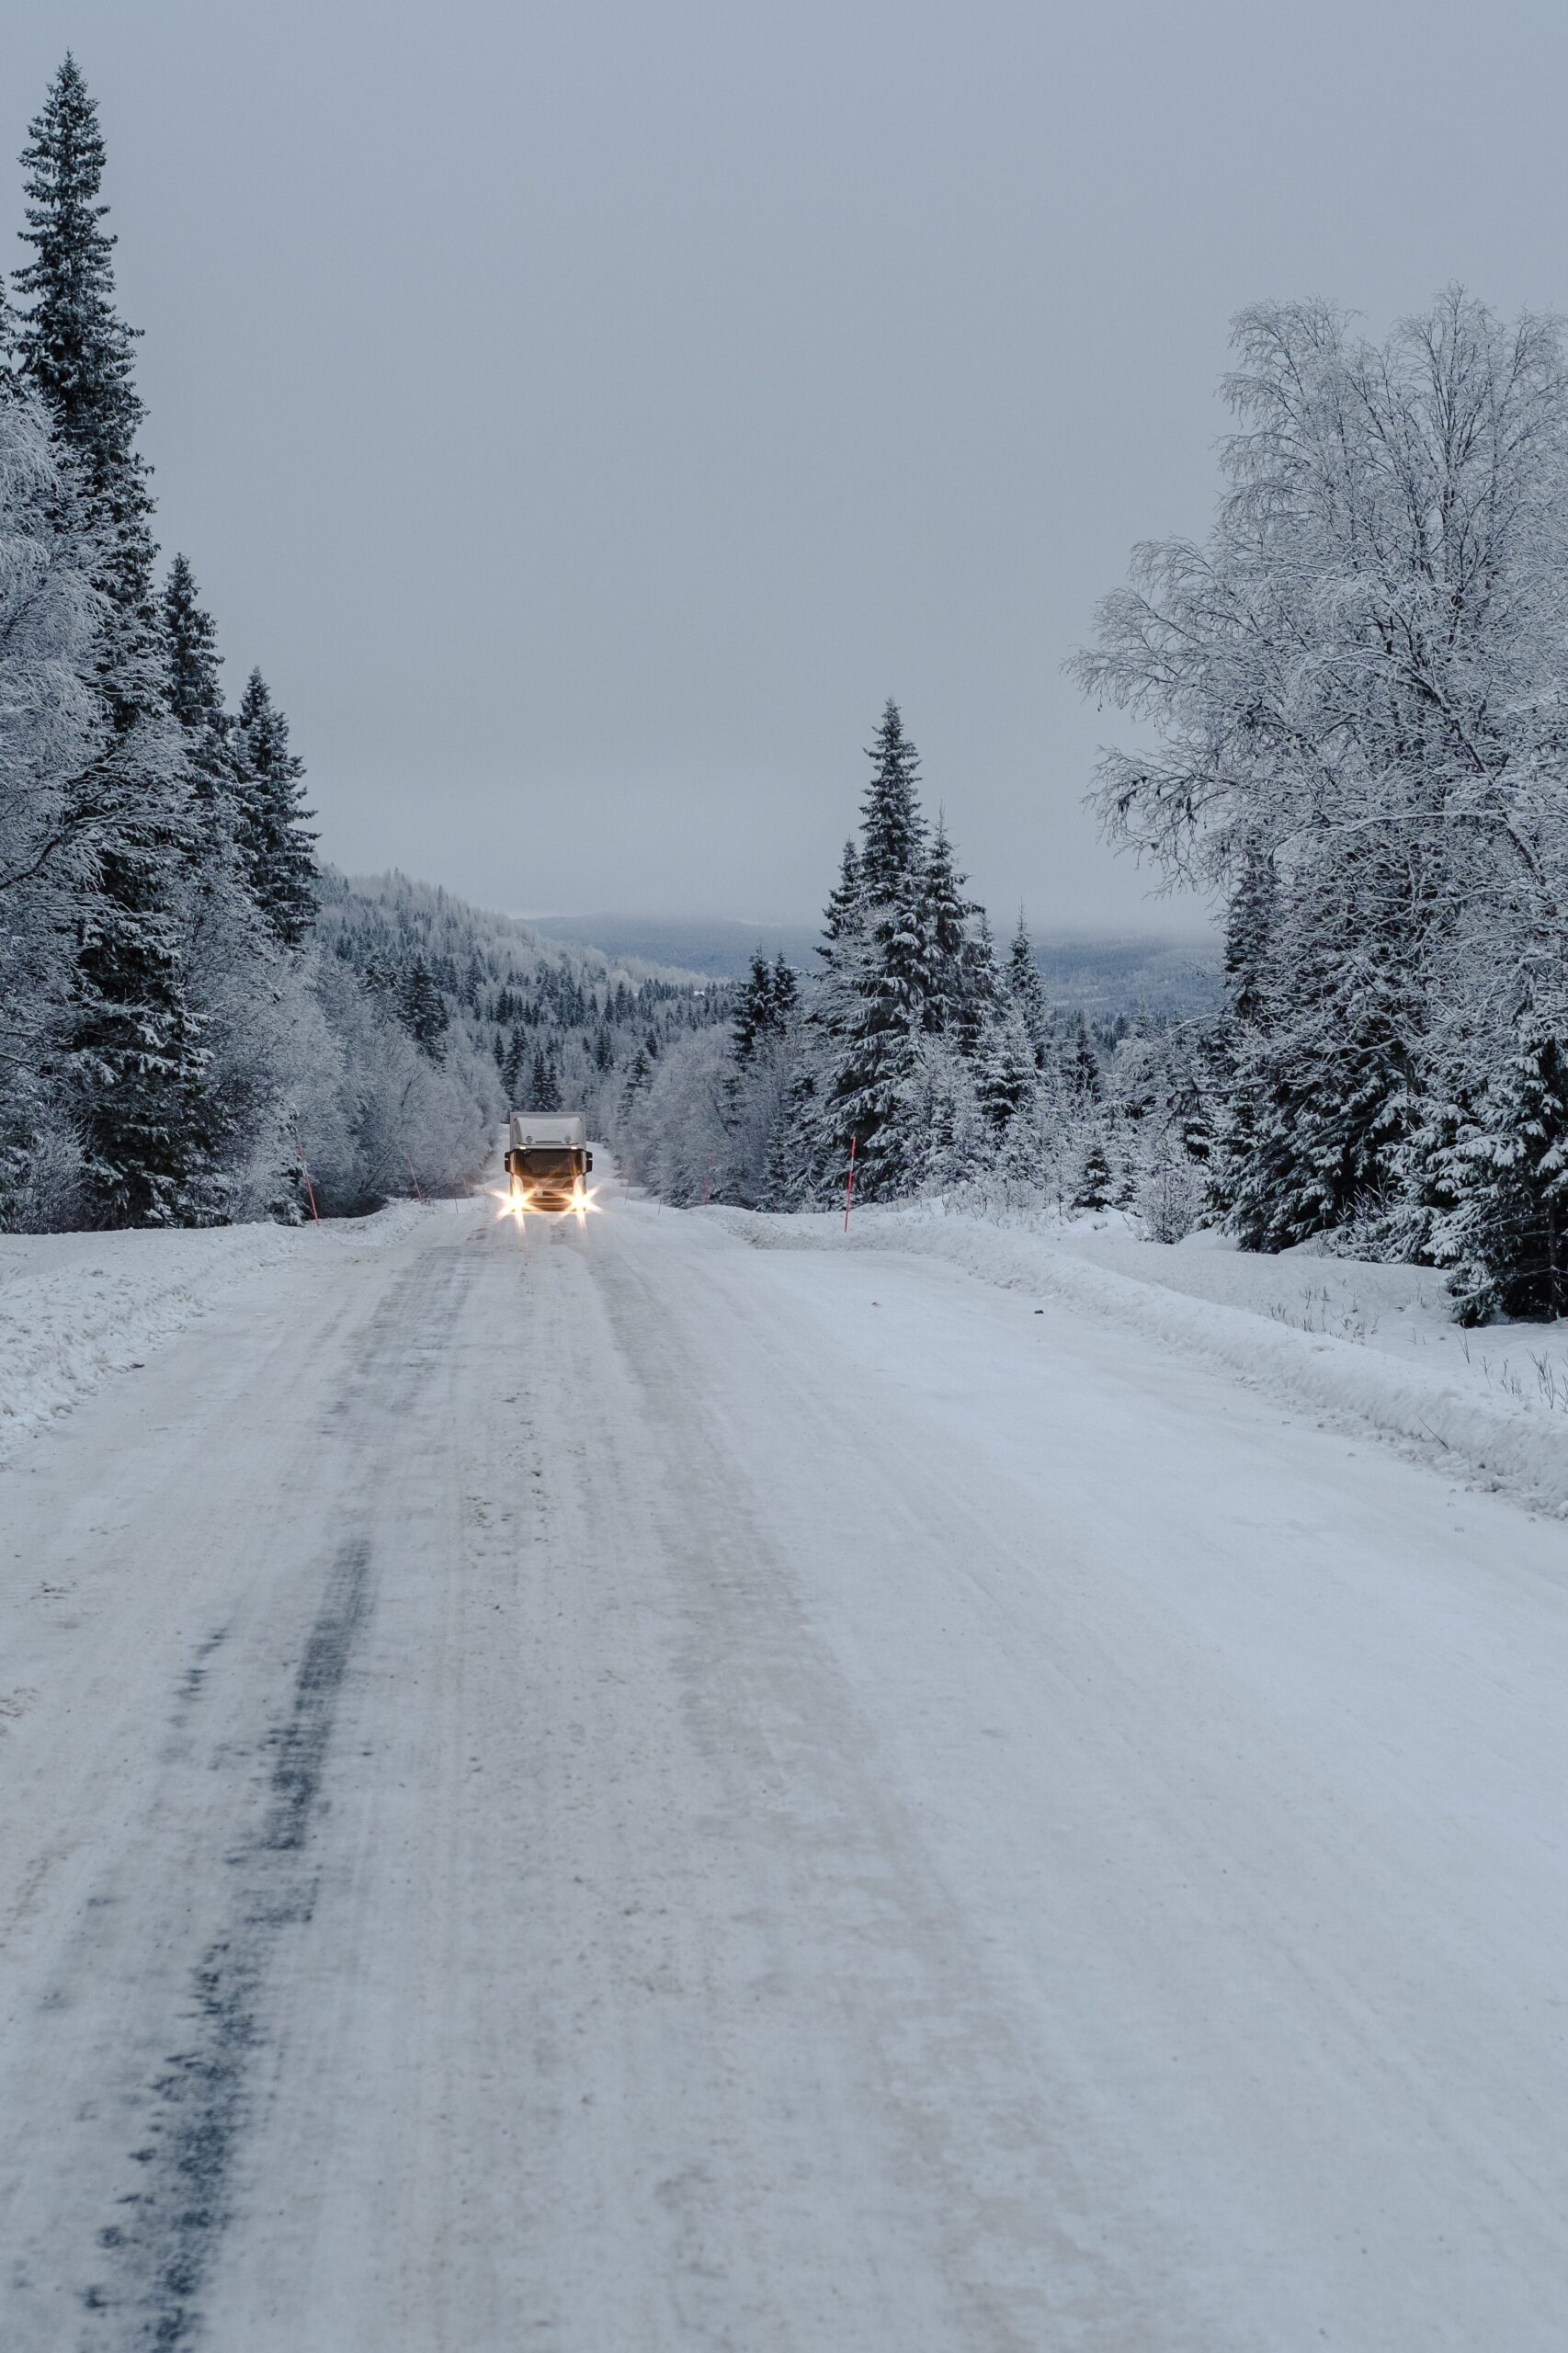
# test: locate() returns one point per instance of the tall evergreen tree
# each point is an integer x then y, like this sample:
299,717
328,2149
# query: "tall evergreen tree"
754,1008
1080,1067
946,915
421,1007
892,831
867,1014
279,845
1006,1078
1324,1101
1028,992
1506,1236
764,1004
638,1078
1250,925
134,1063
513,1067
544,1083
845,904
71,341
982,993
196,698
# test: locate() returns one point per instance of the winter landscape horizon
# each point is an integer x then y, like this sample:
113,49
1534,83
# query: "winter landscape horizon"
833,1633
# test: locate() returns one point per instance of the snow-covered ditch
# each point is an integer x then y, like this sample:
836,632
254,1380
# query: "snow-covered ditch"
1370,1344
74,1307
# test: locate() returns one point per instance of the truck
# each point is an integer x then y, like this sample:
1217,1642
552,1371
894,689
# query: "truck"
547,1158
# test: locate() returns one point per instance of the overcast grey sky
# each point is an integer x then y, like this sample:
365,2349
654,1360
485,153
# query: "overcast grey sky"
588,413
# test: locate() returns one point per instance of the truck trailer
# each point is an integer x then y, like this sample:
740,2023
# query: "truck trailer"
547,1158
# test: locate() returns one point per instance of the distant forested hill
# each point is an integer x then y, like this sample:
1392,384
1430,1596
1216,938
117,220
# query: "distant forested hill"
1098,975
718,949
527,1021
1105,977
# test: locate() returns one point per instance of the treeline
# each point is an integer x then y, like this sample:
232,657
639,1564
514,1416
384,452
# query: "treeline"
935,1052
511,1019
195,1024
1354,695
165,1024
1355,692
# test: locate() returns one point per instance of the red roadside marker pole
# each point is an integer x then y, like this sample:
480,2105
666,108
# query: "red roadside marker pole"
849,1186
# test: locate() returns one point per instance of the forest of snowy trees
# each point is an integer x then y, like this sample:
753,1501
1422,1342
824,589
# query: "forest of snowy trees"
163,1025
1353,704
936,1052
1357,691
195,1024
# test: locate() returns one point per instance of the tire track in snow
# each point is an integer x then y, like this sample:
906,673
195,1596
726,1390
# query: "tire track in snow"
164,2252
201,2100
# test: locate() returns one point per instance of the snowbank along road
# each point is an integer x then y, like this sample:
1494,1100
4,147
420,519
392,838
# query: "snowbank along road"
602,1789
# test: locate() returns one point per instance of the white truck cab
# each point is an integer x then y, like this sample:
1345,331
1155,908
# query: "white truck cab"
547,1158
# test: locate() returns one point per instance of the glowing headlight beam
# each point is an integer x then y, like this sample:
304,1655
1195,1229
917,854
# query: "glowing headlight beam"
519,1206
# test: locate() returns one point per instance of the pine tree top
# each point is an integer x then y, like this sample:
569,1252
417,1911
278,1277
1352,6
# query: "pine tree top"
195,695
892,832
73,344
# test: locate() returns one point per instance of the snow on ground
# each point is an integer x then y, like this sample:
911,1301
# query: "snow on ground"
1374,1345
76,1306
597,1787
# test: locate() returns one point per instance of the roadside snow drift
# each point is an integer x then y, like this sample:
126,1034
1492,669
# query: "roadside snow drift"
1454,1410
76,1306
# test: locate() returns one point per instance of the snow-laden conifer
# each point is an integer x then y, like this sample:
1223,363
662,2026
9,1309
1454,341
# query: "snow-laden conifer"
1028,991
280,848
1505,1172
135,1065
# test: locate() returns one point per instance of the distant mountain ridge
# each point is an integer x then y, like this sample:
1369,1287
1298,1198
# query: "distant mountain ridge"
1098,973
718,947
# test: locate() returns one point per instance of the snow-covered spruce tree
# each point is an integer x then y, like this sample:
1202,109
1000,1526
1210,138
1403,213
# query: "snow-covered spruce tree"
763,1055
981,995
192,647
893,830
946,915
1326,1079
754,1015
639,1076
513,1067
1094,1186
132,1066
1005,1077
1252,919
258,1019
421,1009
1358,676
544,1087
1028,991
50,810
1505,1171
868,1014
196,700
279,848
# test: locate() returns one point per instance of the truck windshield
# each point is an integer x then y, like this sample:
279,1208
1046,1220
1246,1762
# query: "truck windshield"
555,1167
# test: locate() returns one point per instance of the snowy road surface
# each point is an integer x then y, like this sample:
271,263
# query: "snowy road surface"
606,1790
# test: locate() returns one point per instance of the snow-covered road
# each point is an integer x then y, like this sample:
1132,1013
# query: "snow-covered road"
610,1791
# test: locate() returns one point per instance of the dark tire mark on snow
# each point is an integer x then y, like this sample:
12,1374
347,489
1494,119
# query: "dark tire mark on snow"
174,2219
159,2240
